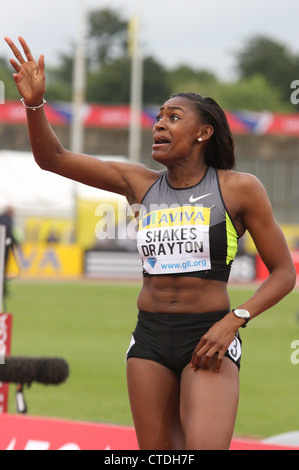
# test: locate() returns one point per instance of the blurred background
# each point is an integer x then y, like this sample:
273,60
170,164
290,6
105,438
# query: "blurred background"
109,67
105,59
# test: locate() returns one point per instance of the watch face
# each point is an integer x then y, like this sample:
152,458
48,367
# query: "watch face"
239,312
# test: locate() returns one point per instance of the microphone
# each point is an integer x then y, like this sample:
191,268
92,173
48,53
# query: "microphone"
25,370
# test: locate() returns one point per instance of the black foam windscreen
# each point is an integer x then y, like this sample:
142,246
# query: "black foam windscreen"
25,370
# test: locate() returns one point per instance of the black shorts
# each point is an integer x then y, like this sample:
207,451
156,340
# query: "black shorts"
170,339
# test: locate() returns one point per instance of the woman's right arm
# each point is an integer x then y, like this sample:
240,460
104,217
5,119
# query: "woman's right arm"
128,179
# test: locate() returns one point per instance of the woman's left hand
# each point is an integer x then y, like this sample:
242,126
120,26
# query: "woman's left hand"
210,351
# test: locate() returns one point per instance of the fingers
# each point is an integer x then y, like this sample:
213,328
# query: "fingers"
207,359
218,364
26,49
208,362
41,63
18,55
208,355
15,65
15,50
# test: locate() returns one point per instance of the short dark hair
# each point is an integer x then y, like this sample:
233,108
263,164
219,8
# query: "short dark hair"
220,150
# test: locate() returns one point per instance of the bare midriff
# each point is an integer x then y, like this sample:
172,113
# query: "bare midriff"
174,294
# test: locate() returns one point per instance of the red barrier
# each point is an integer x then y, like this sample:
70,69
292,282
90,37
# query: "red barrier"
30,433
118,116
5,343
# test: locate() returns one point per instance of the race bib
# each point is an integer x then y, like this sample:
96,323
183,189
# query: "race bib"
175,240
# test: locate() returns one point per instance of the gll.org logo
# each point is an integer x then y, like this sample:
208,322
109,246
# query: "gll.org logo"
2,92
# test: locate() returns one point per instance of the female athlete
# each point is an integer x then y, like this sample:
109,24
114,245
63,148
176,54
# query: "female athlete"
184,357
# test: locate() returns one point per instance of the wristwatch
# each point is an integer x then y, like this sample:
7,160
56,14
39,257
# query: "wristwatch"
241,313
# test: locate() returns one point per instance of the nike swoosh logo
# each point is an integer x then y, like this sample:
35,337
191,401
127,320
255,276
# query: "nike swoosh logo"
195,199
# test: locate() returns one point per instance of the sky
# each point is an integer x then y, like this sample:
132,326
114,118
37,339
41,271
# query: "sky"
202,34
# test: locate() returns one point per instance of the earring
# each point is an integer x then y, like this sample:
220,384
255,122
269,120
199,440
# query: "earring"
199,139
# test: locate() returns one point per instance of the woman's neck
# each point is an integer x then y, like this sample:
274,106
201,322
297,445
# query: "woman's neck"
184,176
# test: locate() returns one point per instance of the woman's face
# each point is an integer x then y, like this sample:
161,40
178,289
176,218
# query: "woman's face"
176,131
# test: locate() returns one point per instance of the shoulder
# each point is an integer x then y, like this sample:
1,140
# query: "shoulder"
242,185
238,179
246,199
139,178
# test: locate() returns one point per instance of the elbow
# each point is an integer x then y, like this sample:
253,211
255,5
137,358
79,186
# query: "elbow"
293,278
47,161
286,278
42,159
41,163
290,278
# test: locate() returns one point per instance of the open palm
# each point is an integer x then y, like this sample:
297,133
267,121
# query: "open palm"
29,76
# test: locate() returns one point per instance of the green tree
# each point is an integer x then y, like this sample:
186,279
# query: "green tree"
59,78
108,65
273,60
108,36
111,83
11,92
156,86
252,93
183,75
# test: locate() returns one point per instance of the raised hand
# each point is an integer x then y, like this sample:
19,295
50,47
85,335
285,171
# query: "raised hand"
29,76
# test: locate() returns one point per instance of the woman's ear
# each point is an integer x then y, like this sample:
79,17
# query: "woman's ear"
205,132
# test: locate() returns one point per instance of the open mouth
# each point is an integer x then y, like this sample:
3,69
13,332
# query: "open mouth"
161,141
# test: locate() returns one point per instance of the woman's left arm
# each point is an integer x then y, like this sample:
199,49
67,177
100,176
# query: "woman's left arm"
257,217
